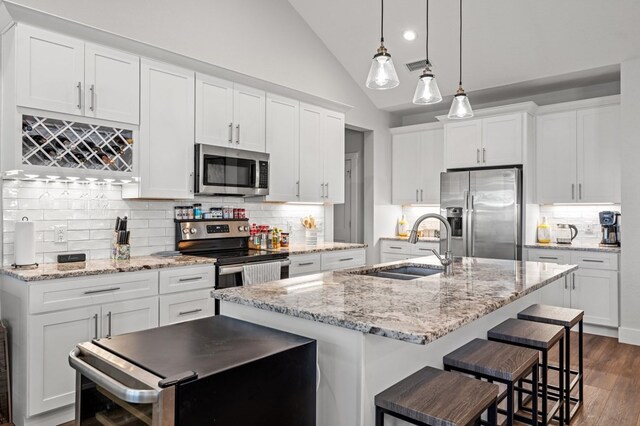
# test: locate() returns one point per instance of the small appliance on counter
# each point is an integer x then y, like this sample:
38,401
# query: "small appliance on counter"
565,233
610,223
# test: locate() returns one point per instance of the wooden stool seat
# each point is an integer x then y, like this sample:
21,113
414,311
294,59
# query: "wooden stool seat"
435,397
527,333
502,363
565,317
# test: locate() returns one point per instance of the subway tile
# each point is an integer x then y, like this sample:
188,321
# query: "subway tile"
148,214
65,214
137,223
101,234
79,224
78,235
102,224
89,245
161,223
100,254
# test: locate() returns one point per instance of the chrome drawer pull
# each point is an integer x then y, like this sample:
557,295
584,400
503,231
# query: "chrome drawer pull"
306,264
593,260
396,247
104,290
548,257
184,280
346,259
193,311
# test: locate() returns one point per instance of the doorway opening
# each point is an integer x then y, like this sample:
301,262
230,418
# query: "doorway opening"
348,218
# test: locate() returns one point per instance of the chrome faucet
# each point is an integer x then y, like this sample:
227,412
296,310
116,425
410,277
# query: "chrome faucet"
447,260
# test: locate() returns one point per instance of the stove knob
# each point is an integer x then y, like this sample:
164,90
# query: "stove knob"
193,230
240,228
185,231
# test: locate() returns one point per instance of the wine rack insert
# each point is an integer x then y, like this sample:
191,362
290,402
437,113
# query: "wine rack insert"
60,143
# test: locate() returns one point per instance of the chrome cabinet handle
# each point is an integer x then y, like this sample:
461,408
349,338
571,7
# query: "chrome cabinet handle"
95,326
193,311
327,186
417,192
396,247
192,183
93,97
422,196
230,132
297,188
305,264
548,257
104,290
185,280
565,282
573,191
484,151
322,186
573,281
108,336
593,260
478,155
580,191
79,86
238,133
346,259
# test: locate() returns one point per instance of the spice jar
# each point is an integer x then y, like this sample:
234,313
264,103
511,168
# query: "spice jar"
284,240
197,211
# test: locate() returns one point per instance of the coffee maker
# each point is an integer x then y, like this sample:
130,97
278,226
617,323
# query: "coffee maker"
610,223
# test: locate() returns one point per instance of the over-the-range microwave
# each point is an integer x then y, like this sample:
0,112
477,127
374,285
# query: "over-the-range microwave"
231,172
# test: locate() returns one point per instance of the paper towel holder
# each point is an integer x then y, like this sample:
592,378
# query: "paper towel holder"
30,266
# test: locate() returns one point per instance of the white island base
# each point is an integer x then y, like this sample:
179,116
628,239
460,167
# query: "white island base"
356,366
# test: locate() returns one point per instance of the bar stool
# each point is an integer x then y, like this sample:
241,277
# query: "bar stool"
502,363
431,397
567,318
543,337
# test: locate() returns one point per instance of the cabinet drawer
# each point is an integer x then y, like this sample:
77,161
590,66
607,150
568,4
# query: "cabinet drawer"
186,306
342,259
392,257
391,246
424,248
550,256
595,260
305,264
84,291
187,278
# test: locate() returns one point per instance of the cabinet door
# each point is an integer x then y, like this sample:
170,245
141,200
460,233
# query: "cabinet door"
556,158
502,140
50,71
112,84
51,336
311,154
333,139
557,293
166,131
431,165
406,170
283,146
214,111
464,142
187,306
129,316
596,292
599,155
249,118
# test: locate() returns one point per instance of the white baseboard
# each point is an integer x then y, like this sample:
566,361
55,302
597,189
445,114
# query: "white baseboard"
600,330
629,335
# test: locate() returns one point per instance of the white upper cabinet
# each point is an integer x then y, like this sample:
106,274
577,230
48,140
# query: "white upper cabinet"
249,118
333,141
418,160
464,143
283,146
485,142
214,111
556,157
112,84
66,75
229,114
50,71
578,156
166,132
599,159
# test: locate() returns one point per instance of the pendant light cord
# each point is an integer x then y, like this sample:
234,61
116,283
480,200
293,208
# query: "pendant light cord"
460,82
381,21
427,34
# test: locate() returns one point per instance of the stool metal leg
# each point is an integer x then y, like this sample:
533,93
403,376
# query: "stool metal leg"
510,410
545,372
580,364
534,395
379,417
567,375
561,382
492,414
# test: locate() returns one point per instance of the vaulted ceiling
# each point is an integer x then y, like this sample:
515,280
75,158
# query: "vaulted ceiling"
511,43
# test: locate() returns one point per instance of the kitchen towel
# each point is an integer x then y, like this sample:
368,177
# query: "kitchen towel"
260,273
25,243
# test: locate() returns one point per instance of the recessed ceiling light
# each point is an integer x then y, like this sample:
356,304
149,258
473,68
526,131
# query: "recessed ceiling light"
409,35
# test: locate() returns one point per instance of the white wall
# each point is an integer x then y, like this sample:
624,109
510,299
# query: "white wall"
264,39
630,282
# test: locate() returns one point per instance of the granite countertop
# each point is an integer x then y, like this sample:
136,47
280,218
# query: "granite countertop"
50,271
421,239
417,311
581,245
294,249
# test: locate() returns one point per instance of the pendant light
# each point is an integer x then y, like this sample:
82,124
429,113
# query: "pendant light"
460,108
382,74
427,91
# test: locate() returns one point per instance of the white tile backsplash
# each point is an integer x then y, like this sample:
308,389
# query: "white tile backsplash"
584,217
89,212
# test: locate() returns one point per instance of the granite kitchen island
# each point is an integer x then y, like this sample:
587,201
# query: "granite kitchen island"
373,332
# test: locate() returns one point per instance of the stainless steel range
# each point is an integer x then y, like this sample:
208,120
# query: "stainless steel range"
226,240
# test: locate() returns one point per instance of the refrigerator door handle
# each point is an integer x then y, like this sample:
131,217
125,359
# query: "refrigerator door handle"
472,212
465,225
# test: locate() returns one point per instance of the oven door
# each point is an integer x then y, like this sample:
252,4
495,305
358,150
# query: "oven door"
112,391
225,171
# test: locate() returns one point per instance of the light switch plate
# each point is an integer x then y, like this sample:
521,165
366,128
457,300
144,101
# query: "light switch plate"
60,234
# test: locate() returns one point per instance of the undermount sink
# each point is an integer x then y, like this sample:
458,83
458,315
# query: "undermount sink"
404,272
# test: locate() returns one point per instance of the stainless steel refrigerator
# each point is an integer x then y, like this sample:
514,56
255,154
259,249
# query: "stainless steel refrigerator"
484,210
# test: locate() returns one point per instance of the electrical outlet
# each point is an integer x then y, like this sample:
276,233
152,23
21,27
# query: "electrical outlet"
60,234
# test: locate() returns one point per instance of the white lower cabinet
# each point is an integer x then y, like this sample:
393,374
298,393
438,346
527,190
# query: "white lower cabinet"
313,263
394,250
187,306
129,316
305,264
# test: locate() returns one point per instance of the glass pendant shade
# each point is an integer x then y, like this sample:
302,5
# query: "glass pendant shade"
382,74
427,91
460,108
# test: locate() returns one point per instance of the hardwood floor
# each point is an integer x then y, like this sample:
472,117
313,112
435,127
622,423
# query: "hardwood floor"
612,382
